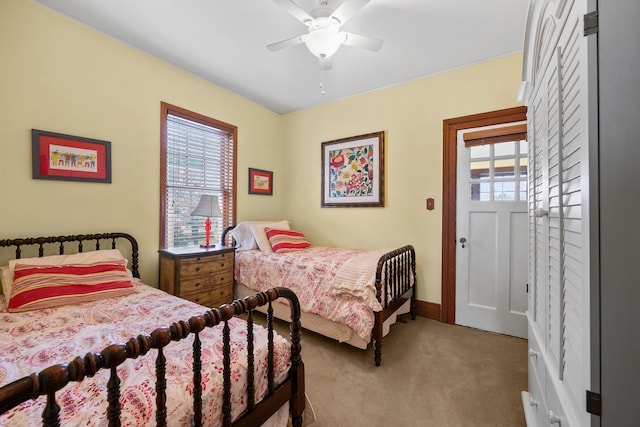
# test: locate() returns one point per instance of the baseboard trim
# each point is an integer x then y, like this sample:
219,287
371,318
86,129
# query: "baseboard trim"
430,310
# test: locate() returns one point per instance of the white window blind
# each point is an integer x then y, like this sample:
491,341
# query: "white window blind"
198,159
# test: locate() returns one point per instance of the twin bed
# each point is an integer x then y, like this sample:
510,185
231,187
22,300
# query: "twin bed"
350,295
154,358
84,342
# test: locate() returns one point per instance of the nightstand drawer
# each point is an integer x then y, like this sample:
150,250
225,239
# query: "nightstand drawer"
200,266
205,283
204,276
212,299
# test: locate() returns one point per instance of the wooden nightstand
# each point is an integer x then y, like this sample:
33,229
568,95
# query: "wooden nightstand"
204,276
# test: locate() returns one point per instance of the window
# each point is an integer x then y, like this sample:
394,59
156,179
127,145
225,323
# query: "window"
499,171
498,163
197,157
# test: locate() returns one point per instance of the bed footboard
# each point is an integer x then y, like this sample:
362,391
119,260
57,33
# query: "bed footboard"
50,380
395,284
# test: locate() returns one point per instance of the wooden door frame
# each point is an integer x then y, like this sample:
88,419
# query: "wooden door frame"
450,130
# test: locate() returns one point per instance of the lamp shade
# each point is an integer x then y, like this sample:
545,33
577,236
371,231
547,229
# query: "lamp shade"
207,206
323,42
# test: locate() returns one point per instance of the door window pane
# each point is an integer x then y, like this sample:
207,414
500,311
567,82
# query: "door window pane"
523,190
480,191
480,170
505,168
504,149
524,147
504,190
479,151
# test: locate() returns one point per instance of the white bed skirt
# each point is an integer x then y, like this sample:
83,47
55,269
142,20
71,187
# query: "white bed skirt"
312,322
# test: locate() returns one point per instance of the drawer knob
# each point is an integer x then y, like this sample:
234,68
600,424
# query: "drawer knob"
553,418
197,284
197,268
222,264
533,353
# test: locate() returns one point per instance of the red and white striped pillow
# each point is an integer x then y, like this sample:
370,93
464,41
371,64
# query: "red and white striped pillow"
286,240
43,286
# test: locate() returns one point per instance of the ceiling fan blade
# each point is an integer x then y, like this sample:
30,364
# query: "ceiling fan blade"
364,42
325,63
294,10
347,9
286,43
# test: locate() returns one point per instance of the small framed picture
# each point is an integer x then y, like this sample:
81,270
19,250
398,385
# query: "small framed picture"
353,172
70,158
260,182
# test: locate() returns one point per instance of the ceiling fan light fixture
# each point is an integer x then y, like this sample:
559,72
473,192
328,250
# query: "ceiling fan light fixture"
323,37
324,42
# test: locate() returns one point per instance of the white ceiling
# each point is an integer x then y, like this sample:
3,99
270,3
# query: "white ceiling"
224,42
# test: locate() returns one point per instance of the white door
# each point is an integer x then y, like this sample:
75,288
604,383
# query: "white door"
492,234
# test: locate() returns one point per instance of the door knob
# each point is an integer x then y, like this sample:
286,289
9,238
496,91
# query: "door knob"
463,241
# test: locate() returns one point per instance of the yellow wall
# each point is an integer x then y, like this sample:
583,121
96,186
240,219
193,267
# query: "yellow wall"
61,76
411,115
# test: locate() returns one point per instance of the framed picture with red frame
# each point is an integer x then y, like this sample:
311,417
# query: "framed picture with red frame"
260,182
70,158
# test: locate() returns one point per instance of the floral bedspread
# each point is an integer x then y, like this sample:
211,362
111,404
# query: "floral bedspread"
309,273
34,340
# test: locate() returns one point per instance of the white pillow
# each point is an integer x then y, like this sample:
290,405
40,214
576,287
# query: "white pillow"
261,236
6,272
243,236
7,281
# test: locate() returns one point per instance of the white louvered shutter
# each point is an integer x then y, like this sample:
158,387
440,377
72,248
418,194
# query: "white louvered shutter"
560,240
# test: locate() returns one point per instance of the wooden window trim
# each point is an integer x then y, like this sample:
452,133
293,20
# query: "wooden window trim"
168,109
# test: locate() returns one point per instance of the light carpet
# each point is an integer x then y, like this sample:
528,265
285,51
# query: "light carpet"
432,374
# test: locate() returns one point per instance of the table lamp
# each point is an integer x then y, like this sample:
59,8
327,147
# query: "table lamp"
208,207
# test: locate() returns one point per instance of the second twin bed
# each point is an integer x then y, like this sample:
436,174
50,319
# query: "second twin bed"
350,295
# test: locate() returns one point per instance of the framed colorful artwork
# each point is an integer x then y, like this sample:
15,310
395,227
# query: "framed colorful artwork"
353,172
260,182
70,158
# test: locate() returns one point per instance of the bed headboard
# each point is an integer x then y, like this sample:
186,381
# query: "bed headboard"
223,239
45,245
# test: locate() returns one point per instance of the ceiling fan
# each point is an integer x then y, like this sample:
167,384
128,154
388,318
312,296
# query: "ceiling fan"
324,36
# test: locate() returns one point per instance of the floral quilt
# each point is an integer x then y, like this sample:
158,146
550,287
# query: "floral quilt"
310,274
33,340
